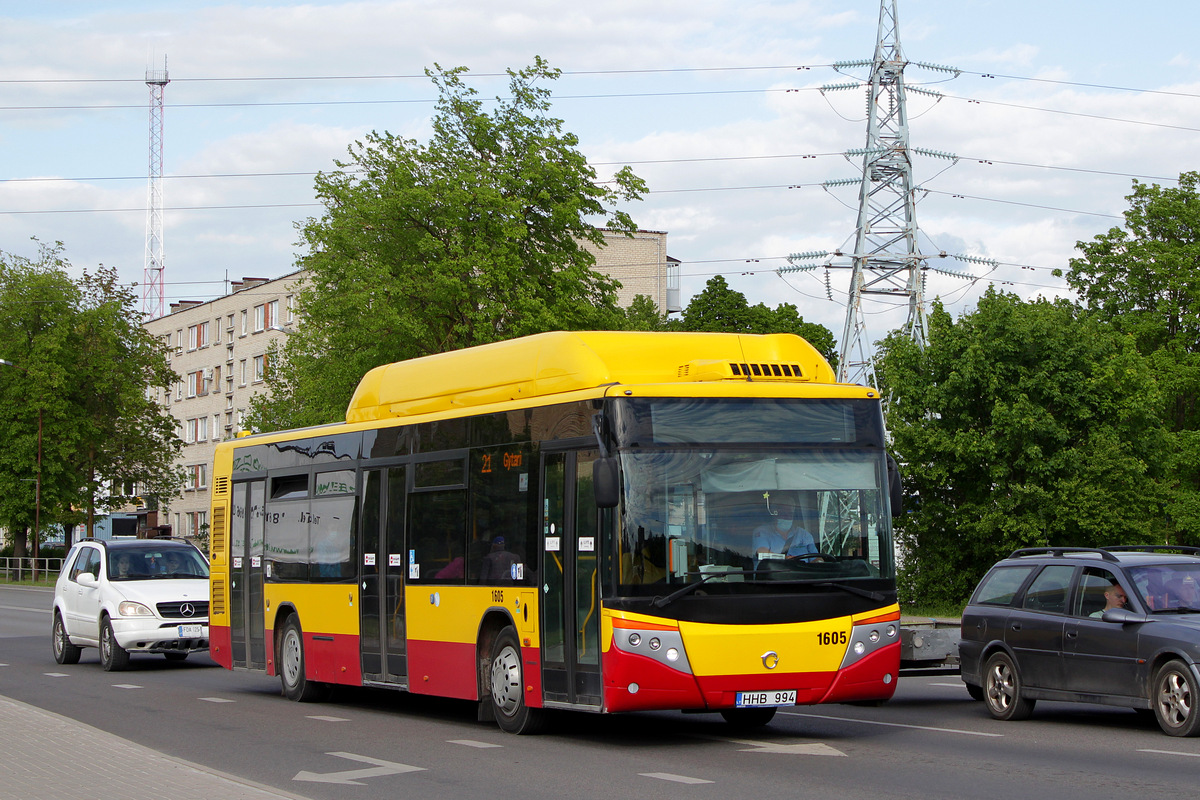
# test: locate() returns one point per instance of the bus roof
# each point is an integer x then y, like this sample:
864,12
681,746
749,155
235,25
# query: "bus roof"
558,362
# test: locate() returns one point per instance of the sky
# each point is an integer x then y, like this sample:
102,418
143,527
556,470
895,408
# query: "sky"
1058,107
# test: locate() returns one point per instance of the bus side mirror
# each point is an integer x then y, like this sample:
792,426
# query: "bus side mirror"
895,487
605,482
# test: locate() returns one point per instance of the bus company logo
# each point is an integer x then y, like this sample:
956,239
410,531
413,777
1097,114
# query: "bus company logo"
770,659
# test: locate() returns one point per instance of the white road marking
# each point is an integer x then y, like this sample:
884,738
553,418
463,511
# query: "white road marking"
127,686
803,749
1171,753
27,608
895,725
348,777
473,743
322,718
951,685
666,776
55,674
217,700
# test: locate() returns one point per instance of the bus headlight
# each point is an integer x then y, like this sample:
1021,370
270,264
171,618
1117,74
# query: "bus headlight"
859,648
635,639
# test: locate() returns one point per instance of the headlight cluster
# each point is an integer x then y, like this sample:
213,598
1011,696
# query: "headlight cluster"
128,608
663,646
866,639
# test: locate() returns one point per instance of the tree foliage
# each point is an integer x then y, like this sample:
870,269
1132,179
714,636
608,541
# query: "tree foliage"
473,236
1144,279
83,365
1021,424
721,308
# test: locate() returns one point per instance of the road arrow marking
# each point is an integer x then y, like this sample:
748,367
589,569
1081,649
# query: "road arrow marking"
803,749
349,777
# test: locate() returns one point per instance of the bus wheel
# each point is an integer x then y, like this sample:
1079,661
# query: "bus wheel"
746,718
508,687
291,666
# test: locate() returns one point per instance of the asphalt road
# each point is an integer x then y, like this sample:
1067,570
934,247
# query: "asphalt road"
931,741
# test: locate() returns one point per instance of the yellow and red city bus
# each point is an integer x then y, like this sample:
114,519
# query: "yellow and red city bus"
571,521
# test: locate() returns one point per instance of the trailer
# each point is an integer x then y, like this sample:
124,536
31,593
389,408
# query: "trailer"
927,643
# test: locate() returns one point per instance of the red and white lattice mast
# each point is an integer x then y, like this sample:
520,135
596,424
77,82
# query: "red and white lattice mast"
153,294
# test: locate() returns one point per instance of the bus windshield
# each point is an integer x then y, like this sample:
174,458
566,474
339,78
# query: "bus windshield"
746,516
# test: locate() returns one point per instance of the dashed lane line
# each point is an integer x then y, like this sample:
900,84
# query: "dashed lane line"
895,725
473,743
1170,753
667,776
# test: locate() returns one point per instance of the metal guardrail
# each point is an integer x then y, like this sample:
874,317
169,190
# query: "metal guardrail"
19,569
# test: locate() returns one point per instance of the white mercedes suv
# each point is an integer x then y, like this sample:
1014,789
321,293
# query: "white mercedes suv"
131,596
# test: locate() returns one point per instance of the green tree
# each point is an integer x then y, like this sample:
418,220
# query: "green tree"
721,308
474,236
1144,279
83,368
1021,424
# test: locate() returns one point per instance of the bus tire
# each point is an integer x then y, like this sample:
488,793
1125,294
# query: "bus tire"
506,681
113,657
747,718
64,651
291,666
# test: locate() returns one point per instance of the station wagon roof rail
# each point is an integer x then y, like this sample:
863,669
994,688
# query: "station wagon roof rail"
1059,552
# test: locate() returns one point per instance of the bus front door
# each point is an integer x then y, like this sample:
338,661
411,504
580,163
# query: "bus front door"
570,589
246,622
384,567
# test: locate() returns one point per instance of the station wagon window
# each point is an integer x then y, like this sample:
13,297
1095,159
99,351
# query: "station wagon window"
1093,583
1001,585
1048,592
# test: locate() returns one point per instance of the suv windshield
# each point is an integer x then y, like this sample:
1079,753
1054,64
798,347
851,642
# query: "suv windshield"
1168,587
155,562
736,516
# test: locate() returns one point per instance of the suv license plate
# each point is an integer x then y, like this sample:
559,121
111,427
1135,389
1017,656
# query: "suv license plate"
764,699
191,631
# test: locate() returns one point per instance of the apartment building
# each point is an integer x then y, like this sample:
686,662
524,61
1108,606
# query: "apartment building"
220,348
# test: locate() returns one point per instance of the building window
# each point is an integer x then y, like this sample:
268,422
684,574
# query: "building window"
217,331
243,365
197,386
196,430
198,336
197,477
245,319
260,368
266,316
291,309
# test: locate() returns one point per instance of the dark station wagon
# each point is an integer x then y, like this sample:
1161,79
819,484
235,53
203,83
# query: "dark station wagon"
1117,626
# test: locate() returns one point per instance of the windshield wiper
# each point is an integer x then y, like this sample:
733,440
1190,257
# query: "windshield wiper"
845,587
663,602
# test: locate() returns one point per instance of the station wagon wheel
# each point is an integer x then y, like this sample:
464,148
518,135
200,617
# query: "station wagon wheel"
1002,689
64,651
1174,698
507,684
